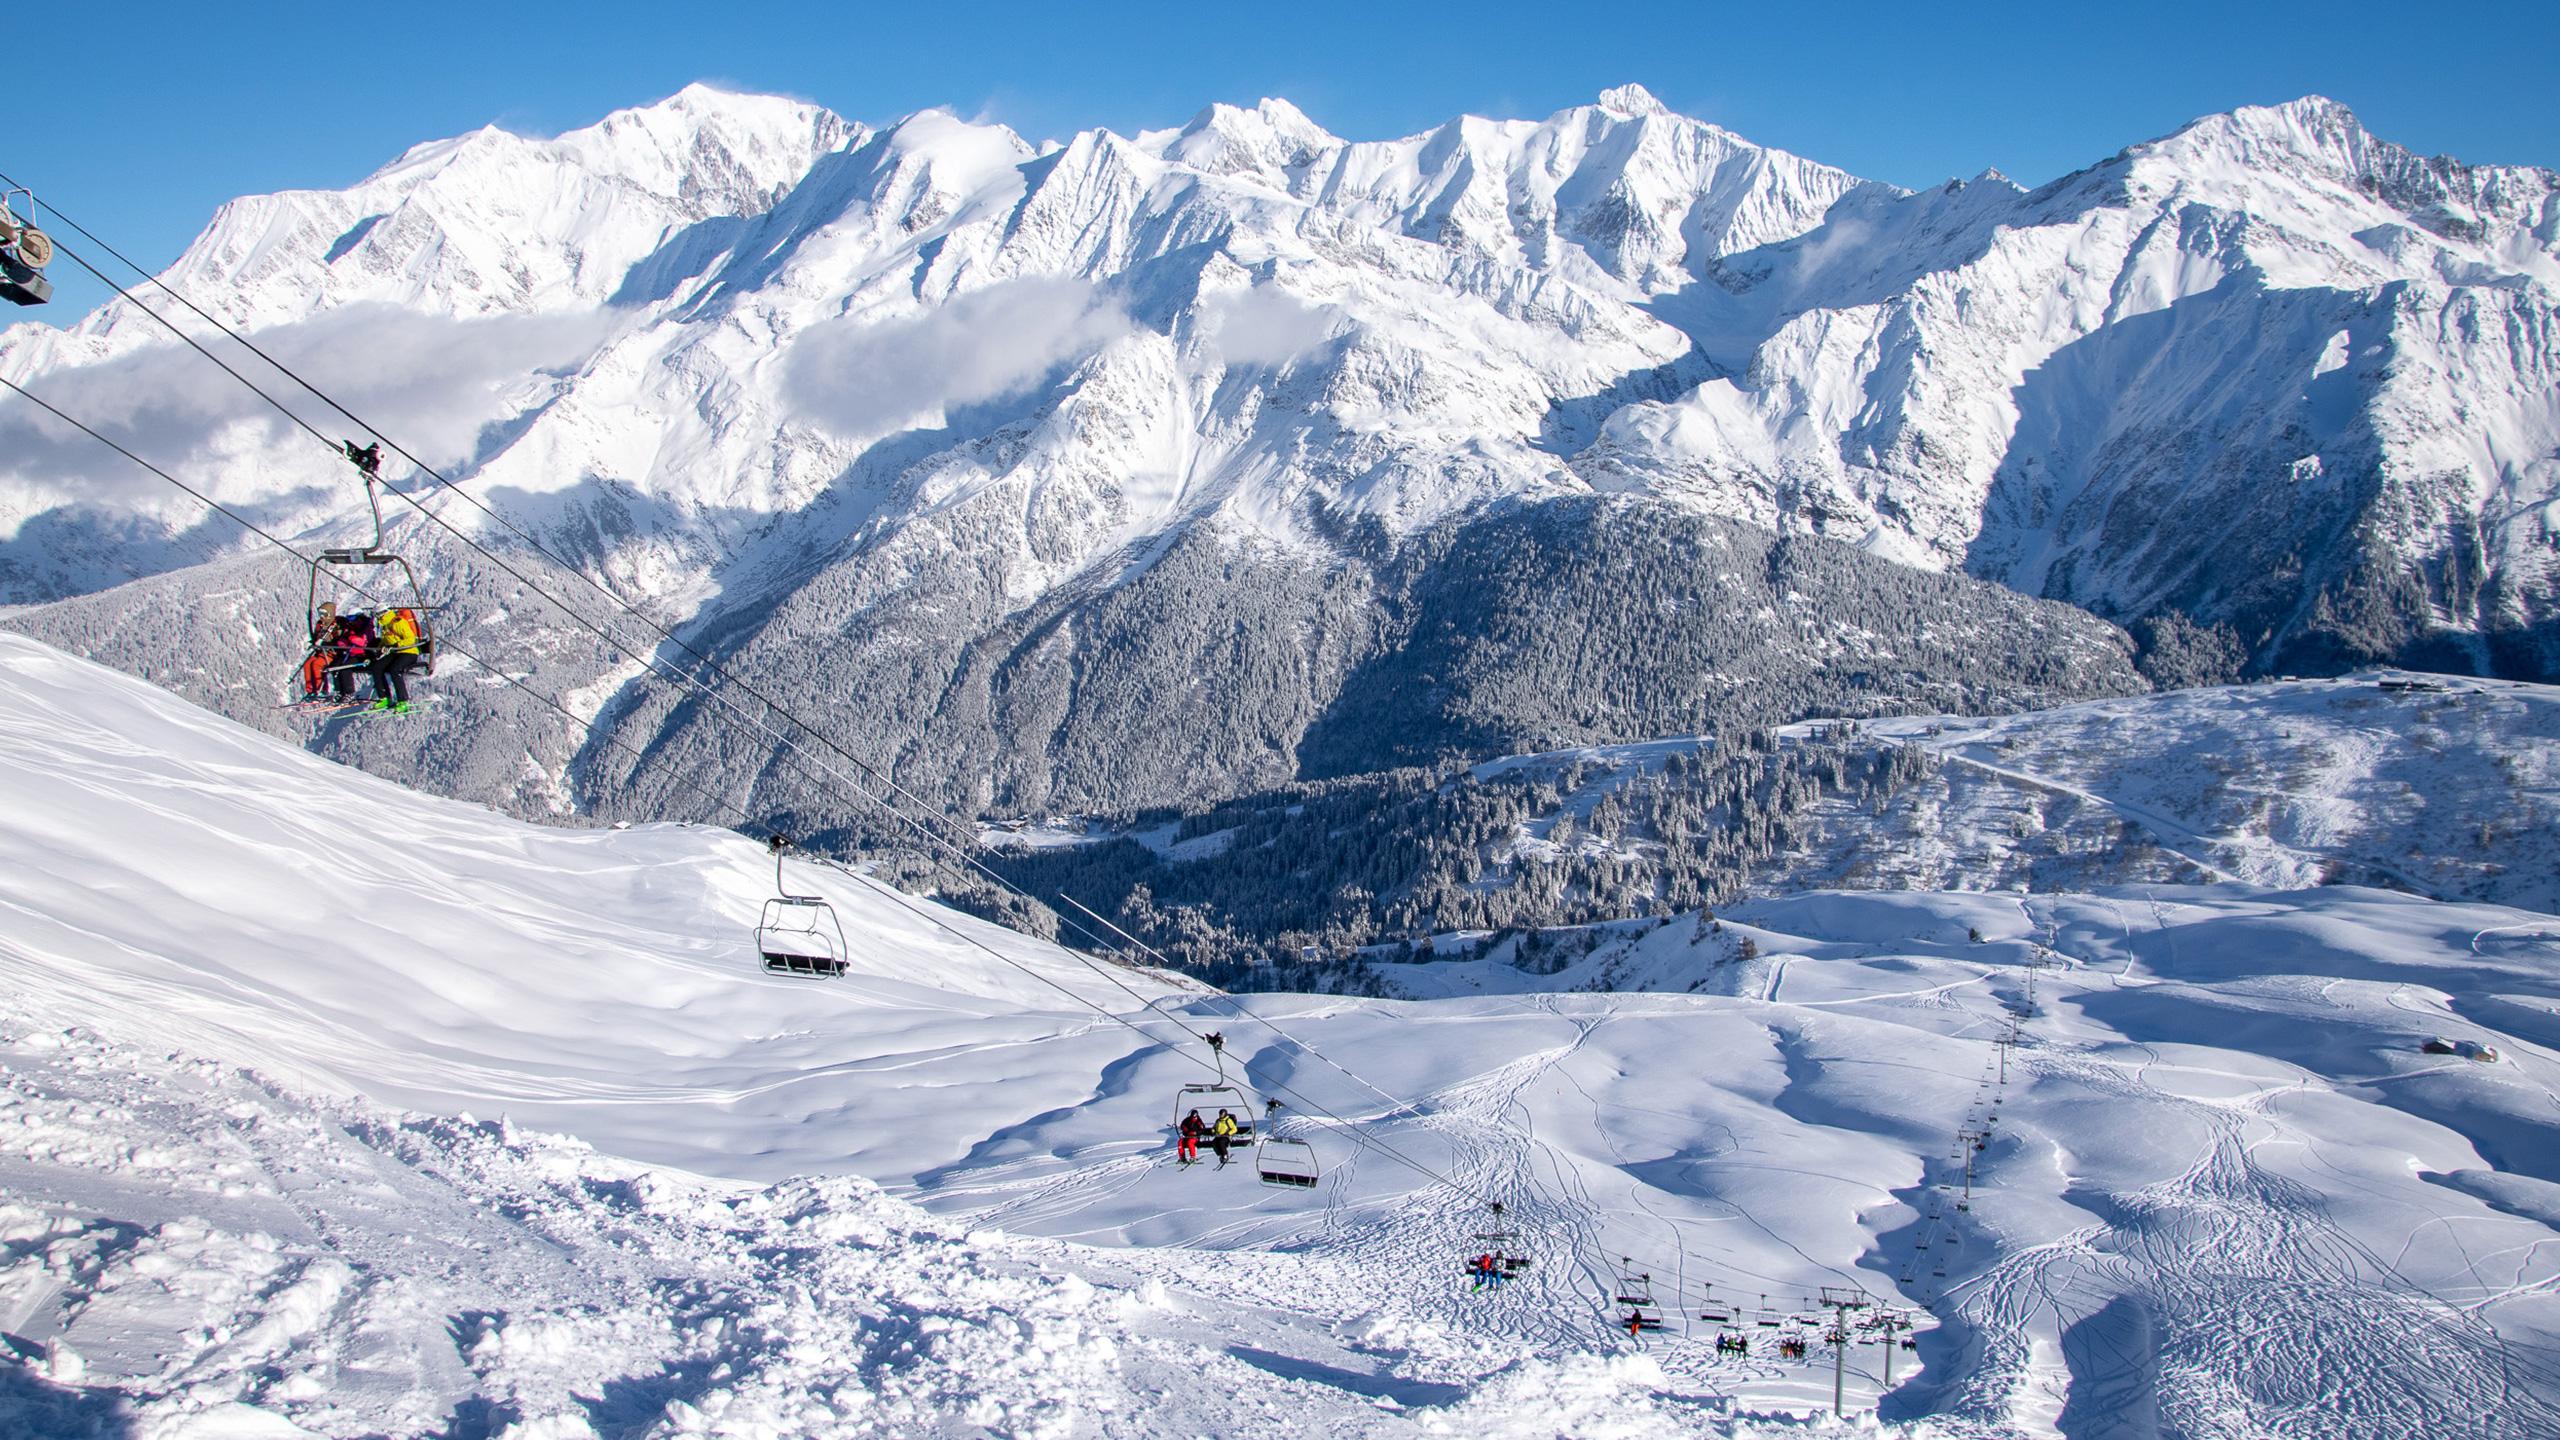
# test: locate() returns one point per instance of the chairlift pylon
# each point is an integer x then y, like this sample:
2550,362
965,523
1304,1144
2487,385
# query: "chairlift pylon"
799,934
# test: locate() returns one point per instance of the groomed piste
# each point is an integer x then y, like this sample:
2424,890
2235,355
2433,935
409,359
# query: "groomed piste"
335,1109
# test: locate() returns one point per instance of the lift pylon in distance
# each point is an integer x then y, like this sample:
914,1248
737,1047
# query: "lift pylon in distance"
799,934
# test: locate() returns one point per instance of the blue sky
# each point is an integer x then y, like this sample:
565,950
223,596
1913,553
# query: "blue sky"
141,123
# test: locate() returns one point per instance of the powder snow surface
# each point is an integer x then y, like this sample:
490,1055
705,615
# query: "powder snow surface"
331,1109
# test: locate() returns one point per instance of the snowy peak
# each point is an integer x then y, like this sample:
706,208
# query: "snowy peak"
2315,140
1270,140
494,223
1646,196
1628,102
2313,129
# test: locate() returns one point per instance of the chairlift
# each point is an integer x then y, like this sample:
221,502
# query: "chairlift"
1215,1100
1290,1164
1634,1287
799,934
24,251
1640,1322
1502,1243
312,686
1219,1099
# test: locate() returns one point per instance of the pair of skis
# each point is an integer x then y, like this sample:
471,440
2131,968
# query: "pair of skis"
331,705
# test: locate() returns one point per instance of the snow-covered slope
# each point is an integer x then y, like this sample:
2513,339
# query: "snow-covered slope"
250,999
2448,788
2445,787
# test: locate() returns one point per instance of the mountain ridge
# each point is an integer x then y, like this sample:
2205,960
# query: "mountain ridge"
2262,418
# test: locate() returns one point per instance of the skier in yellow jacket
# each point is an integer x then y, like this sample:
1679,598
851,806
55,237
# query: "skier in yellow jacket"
395,638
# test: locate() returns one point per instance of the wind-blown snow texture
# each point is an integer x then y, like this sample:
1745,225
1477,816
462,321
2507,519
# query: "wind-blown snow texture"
334,1109
928,405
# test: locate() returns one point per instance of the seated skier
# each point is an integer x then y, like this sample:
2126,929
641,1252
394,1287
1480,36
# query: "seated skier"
396,645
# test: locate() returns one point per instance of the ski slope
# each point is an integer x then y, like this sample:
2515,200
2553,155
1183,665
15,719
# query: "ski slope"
334,1109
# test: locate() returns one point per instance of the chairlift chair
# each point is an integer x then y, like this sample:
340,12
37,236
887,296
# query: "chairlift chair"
24,252
1502,1243
1290,1164
1503,1246
799,934
1209,1100
1634,1287
406,594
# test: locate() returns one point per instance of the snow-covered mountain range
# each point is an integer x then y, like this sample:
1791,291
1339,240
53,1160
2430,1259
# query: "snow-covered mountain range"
990,441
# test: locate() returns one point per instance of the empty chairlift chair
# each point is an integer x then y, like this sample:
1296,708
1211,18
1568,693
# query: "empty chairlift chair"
799,934
1634,1287
1290,1164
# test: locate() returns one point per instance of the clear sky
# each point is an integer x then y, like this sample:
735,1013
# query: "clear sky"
140,118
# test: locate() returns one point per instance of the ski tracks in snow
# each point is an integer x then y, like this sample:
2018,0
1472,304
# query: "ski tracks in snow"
2226,1300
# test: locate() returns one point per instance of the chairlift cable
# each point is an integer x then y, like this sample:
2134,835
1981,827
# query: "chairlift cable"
262,533
890,891
879,776
928,832
612,641
1350,1129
